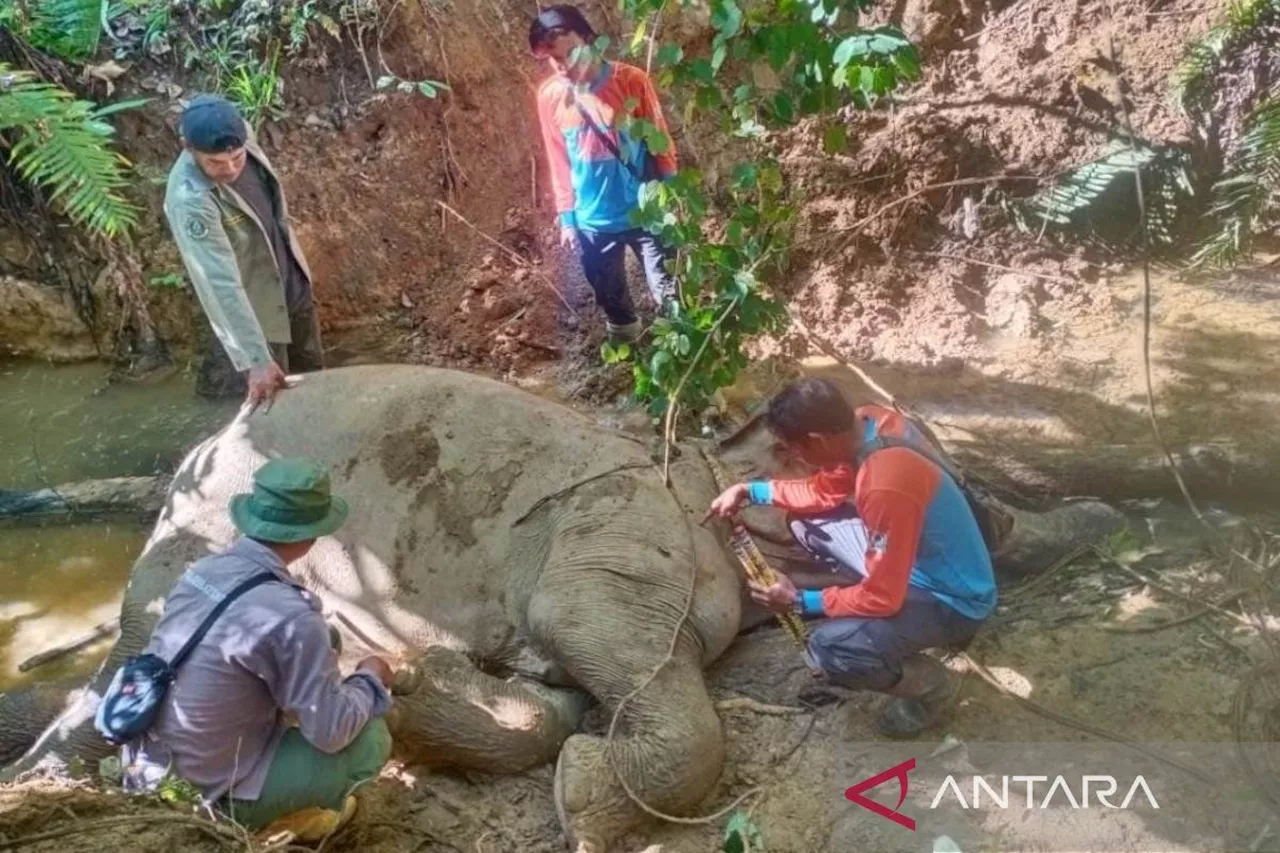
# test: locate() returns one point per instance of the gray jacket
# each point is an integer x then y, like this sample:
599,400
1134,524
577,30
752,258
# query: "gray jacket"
230,259
266,663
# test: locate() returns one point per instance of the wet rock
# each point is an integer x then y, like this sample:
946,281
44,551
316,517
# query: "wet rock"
41,322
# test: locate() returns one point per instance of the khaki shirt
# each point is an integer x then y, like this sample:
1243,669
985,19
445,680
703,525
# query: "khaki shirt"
228,254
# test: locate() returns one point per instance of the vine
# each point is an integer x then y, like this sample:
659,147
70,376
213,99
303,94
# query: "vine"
768,67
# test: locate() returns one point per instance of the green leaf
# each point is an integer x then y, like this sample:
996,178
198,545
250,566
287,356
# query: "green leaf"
385,80
669,54
638,37
744,282
726,17
835,139
718,56
405,86
784,108
427,89
849,48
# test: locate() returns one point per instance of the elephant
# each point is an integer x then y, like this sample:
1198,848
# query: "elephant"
518,559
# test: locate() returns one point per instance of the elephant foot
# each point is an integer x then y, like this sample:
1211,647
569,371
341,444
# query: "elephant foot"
670,762
1038,540
592,806
449,713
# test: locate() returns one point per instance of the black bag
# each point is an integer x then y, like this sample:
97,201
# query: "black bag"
990,522
132,700
648,163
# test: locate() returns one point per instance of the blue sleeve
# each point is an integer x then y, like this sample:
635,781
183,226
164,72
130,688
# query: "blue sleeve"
567,219
811,602
761,492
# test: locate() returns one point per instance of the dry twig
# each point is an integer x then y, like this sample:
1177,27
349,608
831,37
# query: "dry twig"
967,260
222,833
512,254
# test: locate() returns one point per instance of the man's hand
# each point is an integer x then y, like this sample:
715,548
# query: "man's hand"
264,382
730,501
778,598
380,667
568,237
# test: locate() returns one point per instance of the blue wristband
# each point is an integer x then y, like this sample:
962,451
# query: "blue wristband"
811,602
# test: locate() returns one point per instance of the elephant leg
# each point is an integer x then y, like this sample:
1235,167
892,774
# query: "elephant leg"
449,713
669,746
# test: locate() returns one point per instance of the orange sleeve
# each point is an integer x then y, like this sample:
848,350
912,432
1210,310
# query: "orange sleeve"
557,155
651,110
894,521
825,490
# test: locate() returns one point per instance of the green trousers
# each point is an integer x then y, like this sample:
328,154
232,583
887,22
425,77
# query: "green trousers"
303,777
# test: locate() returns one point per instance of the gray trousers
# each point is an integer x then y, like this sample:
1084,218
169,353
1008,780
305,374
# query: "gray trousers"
217,376
867,653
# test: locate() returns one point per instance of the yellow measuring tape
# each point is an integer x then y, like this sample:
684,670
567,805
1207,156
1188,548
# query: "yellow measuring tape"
754,562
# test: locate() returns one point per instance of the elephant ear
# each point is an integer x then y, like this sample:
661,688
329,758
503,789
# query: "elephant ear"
741,835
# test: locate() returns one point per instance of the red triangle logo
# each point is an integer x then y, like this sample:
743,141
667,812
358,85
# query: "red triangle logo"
900,771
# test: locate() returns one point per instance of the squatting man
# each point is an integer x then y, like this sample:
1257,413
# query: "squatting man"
896,530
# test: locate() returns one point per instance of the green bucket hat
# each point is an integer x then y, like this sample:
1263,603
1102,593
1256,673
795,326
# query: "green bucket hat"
290,502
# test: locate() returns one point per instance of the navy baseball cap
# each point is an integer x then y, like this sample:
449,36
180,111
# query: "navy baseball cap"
559,18
212,125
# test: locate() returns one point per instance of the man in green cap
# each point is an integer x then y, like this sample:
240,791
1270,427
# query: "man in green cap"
227,212
259,717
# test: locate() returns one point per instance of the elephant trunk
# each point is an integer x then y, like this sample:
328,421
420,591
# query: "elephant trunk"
668,747
67,731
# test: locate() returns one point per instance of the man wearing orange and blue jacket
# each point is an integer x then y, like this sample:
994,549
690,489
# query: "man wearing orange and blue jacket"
917,572
597,167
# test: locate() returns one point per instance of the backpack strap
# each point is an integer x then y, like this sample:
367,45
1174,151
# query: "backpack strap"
239,590
604,137
883,442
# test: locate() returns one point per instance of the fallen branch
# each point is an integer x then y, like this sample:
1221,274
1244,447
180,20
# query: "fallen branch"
512,254
92,636
967,260
222,833
1064,720
1203,610
1173,593
911,196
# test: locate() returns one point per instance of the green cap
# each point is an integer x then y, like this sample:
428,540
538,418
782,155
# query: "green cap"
290,502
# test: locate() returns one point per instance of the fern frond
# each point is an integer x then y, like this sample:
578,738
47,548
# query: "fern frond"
68,28
1238,197
64,145
1191,74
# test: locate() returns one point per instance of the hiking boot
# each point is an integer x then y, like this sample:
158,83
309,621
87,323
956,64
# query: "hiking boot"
630,333
312,825
919,698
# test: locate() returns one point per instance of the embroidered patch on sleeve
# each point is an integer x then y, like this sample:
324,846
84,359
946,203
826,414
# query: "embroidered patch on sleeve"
196,229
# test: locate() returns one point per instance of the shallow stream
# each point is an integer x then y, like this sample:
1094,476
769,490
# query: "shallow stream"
65,423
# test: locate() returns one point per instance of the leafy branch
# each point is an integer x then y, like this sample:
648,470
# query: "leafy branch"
63,144
768,66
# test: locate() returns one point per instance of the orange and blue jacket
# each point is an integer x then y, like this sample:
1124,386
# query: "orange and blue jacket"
593,190
920,530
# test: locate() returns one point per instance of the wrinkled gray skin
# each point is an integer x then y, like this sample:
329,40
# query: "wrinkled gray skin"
453,558
491,532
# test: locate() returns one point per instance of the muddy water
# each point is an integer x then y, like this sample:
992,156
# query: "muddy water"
65,423
61,424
